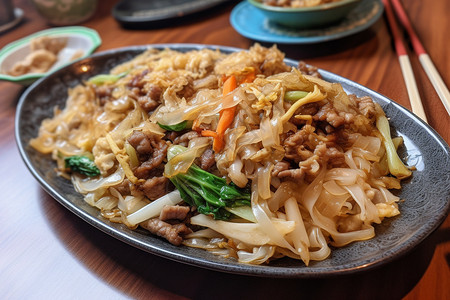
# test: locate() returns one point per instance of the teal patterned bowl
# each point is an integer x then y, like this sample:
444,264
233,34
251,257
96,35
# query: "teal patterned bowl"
307,17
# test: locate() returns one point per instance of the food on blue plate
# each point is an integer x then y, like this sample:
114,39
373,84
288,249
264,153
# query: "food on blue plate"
239,154
297,3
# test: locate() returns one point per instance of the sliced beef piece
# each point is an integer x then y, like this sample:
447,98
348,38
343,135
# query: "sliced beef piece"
171,135
297,174
207,159
147,95
150,149
103,93
136,81
294,144
308,70
124,187
188,90
174,212
141,142
330,154
152,99
184,139
173,233
145,169
279,167
365,105
155,187
329,114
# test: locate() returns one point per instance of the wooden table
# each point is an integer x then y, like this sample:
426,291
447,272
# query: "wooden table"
46,252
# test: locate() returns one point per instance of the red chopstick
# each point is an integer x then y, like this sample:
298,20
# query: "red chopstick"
424,58
405,64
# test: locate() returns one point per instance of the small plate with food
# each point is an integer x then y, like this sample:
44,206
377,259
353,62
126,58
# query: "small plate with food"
30,58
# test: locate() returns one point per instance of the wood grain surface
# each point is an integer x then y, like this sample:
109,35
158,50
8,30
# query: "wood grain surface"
46,252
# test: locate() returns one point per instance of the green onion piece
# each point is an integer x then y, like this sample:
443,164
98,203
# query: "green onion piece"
292,96
177,127
106,78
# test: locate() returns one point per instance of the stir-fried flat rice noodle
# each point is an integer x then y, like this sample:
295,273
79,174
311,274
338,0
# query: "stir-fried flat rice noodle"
238,154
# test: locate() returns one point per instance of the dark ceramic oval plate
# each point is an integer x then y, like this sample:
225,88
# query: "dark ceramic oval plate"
426,194
144,14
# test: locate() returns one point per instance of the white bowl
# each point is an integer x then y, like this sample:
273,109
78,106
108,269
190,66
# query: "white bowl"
78,39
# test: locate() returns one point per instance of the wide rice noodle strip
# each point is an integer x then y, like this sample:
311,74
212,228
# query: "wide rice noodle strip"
206,103
268,223
293,80
334,189
263,179
269,136
309,199
235,173
84,184
53,132
369,212
231,138
330,205
229,161
249,138
388,196
299,236
344,176
258,256
319,241
286,190
371,144
135,118
129,204
248,233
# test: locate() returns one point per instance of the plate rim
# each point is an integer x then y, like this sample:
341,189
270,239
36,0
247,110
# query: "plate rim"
217,264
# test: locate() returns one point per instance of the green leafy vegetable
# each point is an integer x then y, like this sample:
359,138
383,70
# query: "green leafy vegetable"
292,96
209,193
82,164
106,78
177,127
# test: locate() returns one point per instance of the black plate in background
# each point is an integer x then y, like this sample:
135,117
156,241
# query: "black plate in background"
140,14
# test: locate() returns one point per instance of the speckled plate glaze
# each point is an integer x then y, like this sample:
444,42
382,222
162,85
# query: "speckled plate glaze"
251,23
426,194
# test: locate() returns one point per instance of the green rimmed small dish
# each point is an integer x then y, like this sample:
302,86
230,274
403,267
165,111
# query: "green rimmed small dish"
79,39
307,17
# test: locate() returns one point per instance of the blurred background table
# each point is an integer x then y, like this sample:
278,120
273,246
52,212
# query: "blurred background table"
46,252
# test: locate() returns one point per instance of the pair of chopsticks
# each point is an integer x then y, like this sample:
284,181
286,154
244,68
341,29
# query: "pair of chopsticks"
416,104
